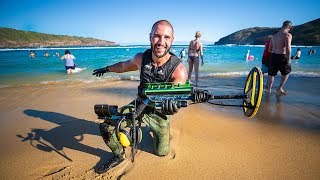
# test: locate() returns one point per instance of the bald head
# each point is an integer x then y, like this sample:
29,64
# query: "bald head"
162,22
287,24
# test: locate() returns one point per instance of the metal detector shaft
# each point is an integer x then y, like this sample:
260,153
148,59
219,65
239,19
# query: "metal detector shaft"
134,143
244,96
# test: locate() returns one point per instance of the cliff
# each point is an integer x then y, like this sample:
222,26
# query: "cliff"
307,34
12,38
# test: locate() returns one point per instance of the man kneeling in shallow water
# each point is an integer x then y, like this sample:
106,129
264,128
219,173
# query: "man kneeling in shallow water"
155,65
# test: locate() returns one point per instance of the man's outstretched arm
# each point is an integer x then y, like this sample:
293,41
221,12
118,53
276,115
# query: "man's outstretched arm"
120,67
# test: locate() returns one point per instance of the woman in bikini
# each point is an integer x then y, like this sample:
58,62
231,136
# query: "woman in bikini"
195,49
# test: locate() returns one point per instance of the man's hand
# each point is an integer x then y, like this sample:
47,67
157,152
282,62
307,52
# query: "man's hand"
169,107
99,72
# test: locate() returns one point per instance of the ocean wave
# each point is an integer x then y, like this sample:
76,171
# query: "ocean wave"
113,78
74,81
227,74
230,45
222,45
4,86
302,46
93,80
106,79
249,45
245,73
305,74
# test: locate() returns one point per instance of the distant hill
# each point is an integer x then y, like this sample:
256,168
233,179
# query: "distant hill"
307,34
12,38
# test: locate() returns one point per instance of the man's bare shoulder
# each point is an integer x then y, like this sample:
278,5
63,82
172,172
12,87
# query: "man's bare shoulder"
180,74
181,67
288,35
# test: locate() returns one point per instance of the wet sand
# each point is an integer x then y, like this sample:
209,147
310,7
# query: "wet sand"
51,132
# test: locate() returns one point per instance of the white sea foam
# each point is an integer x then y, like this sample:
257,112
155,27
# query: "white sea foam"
4,86
228,74
302,46
49,82
115,78
249,45
305,74
230,45
245,73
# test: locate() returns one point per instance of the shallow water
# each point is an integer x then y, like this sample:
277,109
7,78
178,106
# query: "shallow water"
16,67
224,73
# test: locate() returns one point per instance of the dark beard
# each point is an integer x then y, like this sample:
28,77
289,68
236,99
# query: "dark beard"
160,56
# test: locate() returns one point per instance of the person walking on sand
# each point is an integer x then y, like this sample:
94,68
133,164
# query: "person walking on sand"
157,64
195,49
280,46
69,61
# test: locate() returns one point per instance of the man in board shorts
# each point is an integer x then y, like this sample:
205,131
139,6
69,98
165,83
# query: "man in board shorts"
280,46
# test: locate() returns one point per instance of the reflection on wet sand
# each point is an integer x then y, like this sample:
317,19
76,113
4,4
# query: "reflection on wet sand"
275,109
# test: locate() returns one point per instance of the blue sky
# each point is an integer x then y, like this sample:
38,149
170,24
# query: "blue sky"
129,22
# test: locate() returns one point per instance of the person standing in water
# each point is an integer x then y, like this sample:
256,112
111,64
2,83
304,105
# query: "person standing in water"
247,54
195,49
280,46
45,54
32,54
69,59
183,53
297,55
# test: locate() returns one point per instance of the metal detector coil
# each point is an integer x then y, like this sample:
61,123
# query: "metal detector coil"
253,89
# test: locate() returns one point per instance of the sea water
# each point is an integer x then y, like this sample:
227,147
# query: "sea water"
16,67
223,73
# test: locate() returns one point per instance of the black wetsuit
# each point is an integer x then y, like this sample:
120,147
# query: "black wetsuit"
151,74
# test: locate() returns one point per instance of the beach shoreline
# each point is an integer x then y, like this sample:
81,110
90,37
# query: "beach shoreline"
50,131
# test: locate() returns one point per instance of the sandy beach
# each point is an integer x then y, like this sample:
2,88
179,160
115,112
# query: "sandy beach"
50,131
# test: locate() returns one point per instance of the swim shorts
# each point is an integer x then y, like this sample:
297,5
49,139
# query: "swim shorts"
279,62
70,67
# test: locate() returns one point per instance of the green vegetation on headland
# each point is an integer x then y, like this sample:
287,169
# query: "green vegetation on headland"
12,38
307,34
